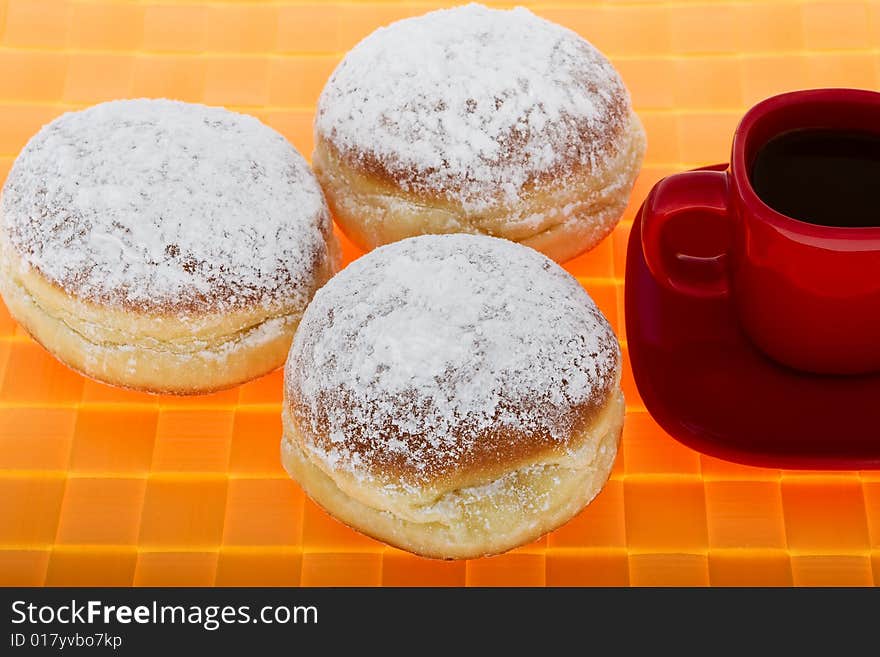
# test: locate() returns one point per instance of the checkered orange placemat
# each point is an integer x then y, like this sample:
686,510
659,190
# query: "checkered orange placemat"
101,486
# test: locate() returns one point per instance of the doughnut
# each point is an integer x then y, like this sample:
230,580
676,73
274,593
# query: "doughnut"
452,395
476,120
161,245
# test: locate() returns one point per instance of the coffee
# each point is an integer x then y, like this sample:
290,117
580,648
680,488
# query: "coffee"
825,177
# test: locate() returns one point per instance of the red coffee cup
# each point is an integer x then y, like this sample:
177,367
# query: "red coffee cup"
808,296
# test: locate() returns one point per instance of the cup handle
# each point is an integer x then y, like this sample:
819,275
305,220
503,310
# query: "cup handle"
701,193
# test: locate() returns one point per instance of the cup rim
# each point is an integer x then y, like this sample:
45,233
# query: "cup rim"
739,169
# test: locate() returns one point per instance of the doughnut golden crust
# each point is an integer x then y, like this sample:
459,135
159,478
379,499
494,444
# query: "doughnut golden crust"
472,521
137,267
475,406
149,351
474,120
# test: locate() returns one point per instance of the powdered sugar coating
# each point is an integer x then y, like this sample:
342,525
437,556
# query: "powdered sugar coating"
475,103
434,353
165,205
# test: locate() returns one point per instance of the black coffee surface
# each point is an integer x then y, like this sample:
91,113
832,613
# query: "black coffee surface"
825,177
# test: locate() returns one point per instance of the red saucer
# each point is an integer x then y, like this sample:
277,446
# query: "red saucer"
706,385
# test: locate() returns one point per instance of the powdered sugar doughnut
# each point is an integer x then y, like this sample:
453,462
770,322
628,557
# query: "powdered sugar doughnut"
452,395
476,120
162,245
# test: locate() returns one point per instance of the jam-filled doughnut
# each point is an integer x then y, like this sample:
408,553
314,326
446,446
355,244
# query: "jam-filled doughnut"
161,245
476,120
452,395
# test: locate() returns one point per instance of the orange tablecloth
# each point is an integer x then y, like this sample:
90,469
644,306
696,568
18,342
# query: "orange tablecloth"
101,486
